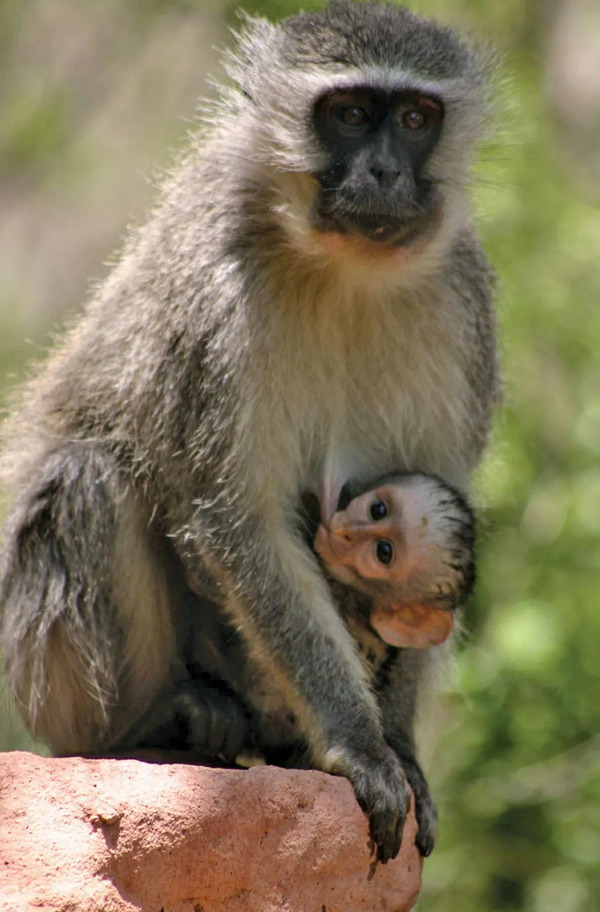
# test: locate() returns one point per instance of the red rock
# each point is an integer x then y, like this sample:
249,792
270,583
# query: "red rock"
124,835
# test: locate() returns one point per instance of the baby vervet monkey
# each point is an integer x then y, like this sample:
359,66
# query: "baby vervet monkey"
308,302
409,548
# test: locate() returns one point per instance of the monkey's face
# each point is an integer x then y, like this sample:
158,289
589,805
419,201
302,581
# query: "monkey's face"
377,144
377,545
379,538
364,118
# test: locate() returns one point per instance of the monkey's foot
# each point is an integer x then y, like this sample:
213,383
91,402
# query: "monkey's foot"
381,789
215,721
199,715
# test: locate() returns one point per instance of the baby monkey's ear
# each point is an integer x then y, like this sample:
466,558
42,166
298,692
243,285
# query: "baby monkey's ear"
413,625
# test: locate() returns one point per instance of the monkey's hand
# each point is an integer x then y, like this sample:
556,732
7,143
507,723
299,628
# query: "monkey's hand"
382,790
425,809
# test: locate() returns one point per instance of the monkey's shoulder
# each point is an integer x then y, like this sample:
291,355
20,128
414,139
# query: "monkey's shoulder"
468,271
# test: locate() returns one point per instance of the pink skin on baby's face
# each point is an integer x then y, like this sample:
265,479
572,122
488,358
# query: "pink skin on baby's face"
382,545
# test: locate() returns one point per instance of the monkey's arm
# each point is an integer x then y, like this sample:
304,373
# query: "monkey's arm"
282,604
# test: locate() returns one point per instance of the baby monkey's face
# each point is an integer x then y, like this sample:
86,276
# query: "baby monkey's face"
382,535
390,545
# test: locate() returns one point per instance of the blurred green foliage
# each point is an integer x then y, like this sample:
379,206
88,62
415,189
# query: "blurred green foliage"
517,766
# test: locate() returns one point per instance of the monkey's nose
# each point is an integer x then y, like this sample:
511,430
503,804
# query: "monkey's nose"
339,529
341,533
346,533
385,177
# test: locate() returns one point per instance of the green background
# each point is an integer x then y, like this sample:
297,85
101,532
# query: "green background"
95,95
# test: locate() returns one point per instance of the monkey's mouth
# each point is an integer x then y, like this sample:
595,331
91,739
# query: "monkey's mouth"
328,548
378,228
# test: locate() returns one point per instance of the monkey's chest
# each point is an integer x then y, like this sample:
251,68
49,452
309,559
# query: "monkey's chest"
355,610
399,420
375,391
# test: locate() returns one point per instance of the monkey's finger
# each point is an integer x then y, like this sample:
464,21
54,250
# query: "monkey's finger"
425,810
216,729
235,736
425,841
427,818
387,834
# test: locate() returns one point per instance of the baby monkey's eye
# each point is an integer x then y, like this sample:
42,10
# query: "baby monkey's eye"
378,510
384,551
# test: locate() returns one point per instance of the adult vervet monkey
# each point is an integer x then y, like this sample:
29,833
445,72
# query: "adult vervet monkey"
307,303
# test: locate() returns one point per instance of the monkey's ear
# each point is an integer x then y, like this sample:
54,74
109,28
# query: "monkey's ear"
413,625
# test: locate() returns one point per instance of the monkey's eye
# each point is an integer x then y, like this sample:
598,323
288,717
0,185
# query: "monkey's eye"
378,510
422,113
353,115
414,120
384,551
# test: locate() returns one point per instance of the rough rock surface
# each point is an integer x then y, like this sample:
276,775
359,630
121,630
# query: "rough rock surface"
124,835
